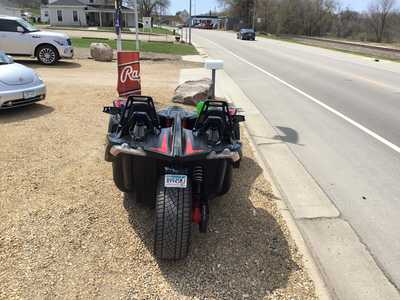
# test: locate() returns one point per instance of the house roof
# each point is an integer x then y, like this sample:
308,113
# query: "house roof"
67,3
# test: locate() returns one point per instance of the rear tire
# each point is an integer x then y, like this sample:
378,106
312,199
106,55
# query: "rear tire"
173,222
227,180
47,55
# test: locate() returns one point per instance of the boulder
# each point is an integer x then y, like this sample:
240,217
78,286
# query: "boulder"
101,52
193,91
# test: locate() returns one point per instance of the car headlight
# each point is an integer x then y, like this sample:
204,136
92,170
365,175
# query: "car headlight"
38,77
62,42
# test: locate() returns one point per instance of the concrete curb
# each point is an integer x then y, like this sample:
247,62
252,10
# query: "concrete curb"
321,289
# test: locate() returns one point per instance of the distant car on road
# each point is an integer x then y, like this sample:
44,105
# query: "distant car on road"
19,85
246,34
18,37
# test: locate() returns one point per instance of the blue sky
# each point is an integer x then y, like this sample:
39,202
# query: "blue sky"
203,6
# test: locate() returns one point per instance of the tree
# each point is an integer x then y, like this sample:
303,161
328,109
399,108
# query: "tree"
378,14
149,7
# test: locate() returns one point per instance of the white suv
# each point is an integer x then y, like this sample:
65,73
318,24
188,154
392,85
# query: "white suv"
18,37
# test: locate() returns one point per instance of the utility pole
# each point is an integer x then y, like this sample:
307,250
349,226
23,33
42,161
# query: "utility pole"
254,14
190,21
137,25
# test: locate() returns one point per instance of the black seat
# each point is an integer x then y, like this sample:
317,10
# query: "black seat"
139,117
214,122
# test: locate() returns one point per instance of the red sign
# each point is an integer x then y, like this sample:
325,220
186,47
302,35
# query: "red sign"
128,73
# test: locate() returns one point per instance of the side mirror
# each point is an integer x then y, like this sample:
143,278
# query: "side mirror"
10,58
20,29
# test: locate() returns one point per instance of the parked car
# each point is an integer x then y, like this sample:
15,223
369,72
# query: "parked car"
19,85
246,34
18,37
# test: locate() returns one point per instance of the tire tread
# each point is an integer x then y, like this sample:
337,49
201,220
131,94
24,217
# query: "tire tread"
173,222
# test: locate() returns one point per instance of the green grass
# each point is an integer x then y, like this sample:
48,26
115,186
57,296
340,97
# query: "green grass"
156,47
156,30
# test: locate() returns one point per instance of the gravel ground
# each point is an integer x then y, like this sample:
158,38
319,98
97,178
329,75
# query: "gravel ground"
352,48
65,234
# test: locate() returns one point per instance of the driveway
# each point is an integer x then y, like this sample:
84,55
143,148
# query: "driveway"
64,232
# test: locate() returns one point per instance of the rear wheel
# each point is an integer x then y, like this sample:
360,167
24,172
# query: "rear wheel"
226,186
173,222
47,55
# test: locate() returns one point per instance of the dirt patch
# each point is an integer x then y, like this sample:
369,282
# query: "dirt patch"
65,234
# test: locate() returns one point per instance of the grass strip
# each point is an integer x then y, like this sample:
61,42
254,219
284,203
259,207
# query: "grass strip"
130,45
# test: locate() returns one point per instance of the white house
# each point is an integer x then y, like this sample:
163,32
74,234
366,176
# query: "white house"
84,13
7,8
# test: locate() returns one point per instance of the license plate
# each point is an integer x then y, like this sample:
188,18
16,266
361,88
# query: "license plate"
29,94
175,181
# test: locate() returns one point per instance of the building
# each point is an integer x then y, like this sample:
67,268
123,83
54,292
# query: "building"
8,8
94,13
206,21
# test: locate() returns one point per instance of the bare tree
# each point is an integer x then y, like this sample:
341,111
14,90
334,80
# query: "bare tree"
378,13
149,7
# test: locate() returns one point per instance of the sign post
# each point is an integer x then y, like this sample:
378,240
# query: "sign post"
213,65
190,22
118,24
147,22
137,25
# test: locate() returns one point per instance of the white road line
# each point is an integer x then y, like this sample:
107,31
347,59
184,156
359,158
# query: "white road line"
327,107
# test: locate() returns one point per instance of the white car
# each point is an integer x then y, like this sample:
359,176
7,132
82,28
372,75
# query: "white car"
18,37
19,85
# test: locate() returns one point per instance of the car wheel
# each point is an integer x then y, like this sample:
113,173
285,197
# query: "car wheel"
47,55
173,222
226,186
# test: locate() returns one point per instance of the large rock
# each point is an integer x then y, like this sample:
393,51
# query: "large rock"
101,52
191,92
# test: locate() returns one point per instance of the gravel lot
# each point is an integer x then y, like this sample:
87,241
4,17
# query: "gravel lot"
65,234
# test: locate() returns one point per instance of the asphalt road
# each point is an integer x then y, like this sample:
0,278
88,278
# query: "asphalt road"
340,115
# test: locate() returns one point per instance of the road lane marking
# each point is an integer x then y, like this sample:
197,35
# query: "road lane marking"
320,103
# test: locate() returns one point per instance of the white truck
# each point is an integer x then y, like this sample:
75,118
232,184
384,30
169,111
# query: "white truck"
18,37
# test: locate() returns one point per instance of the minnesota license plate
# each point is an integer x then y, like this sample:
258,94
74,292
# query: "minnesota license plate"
29,94
175,181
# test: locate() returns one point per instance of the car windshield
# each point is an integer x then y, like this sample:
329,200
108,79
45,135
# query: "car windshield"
247,30
4,60
27,25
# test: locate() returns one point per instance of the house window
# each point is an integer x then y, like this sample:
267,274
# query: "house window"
59,16
75,15
46,13
91,1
